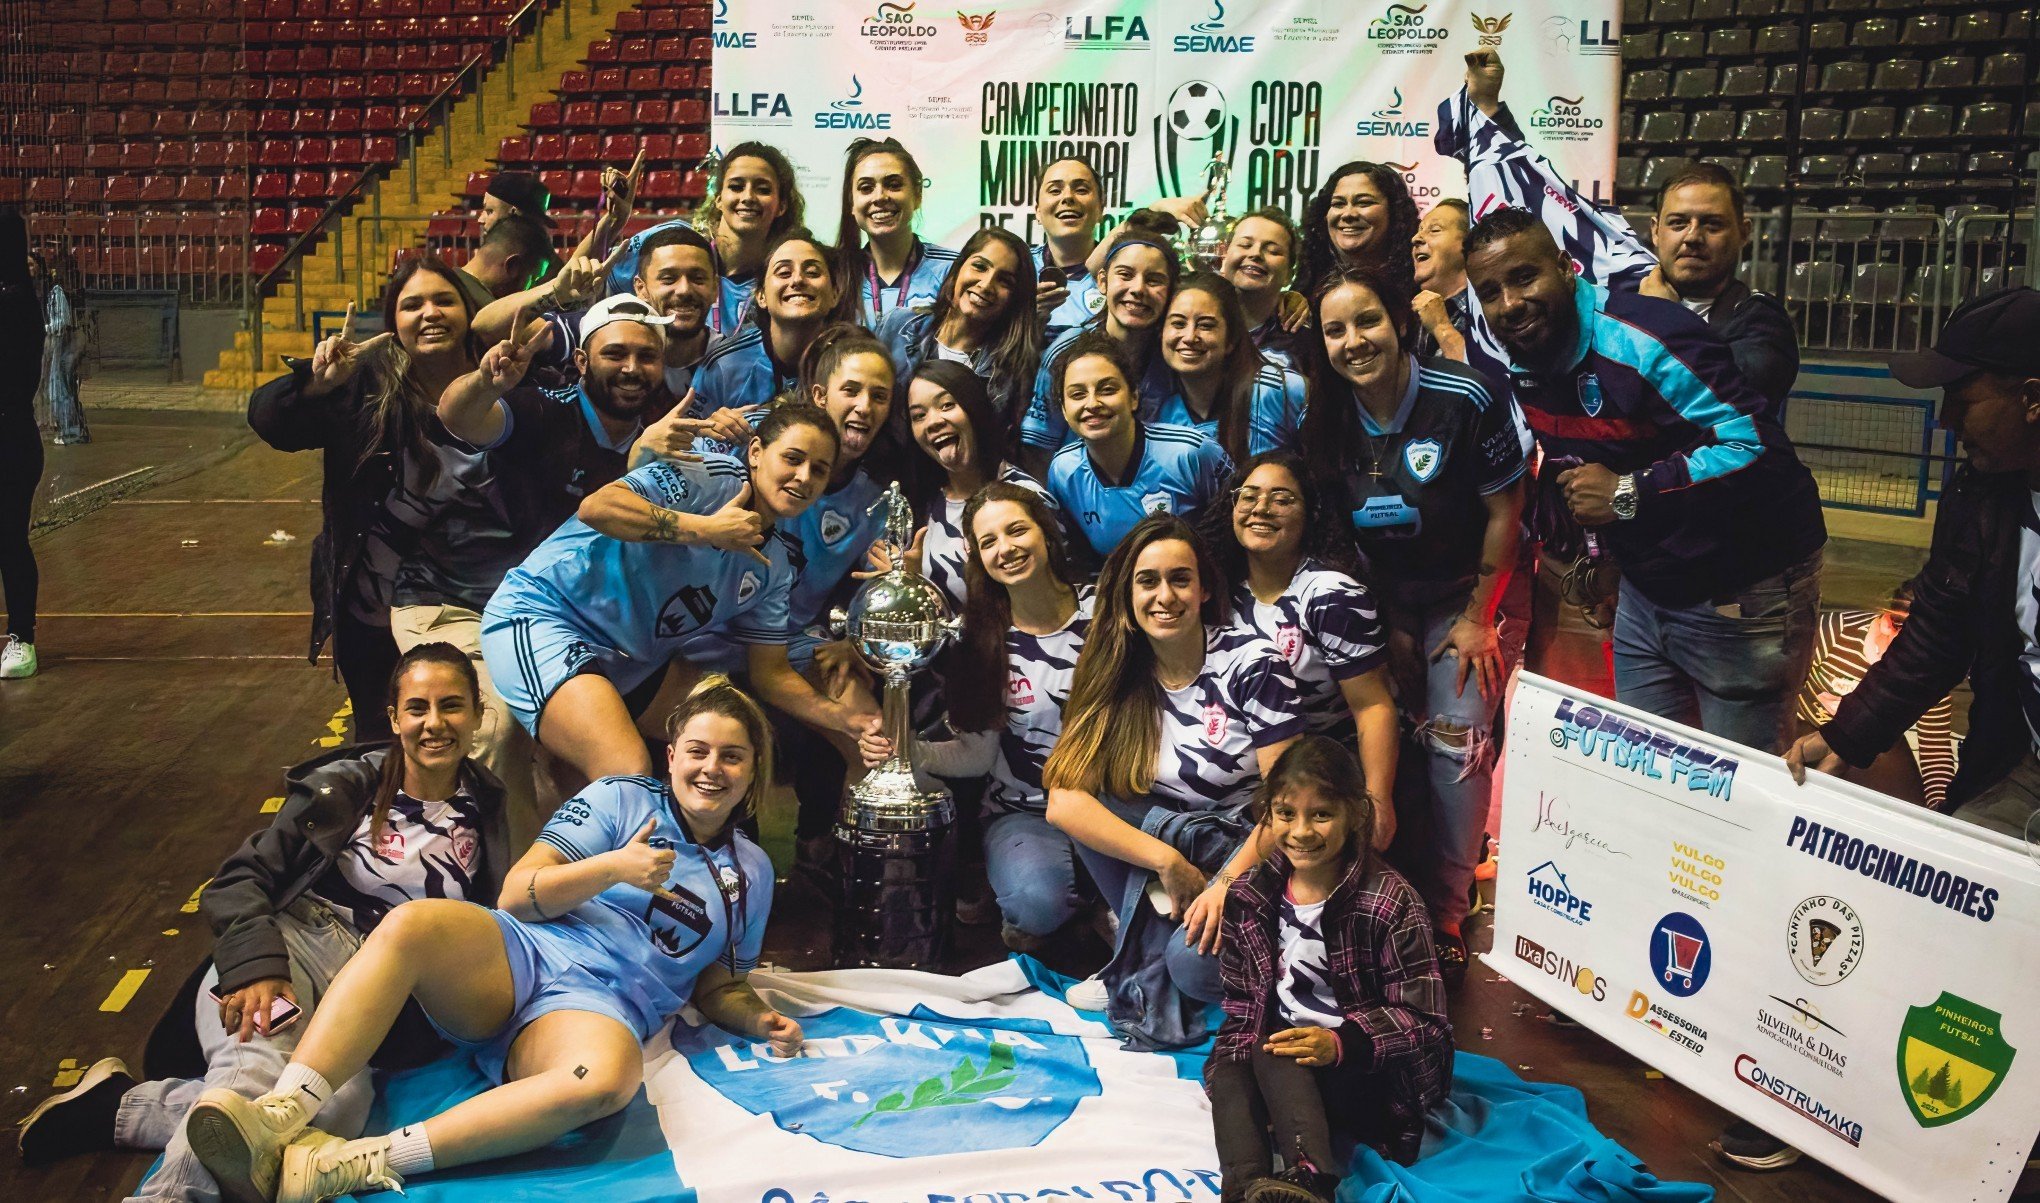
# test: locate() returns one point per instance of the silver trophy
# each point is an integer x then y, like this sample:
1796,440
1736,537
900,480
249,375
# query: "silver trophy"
710,167
895,839
1204,247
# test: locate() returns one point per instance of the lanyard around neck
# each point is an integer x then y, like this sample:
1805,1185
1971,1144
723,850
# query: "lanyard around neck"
878,287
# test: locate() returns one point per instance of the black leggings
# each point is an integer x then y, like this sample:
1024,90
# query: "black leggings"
365,656
21,469
1269,1106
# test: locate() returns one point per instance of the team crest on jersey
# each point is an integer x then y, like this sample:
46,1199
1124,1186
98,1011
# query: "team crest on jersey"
1590,395
1094,301
1019,690
834,526
465,849
1289,641
1215,721
1424,457
747,588
1155,503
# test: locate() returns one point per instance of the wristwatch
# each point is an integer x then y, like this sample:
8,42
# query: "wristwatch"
1624,500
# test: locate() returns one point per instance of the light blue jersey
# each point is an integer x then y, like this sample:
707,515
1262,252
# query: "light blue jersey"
1043,424
1273,423
1080,306
916,287
1172,469
584,599
647,948
738,370
732,296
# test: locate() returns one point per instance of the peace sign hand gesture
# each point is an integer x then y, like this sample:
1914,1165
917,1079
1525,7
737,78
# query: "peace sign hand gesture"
582,281
504,364
336,359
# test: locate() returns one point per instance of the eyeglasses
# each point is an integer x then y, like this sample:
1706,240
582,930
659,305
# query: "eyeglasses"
1278,499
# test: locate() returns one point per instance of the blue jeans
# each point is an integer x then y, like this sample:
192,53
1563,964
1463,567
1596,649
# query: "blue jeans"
1731,666
1190,971
1033,870
151,1114
1455,731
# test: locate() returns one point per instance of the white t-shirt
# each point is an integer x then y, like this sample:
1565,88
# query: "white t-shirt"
1303,992
1699,305
2027,609
426,850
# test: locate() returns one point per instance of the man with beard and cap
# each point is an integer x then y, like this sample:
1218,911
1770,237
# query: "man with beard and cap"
1673,462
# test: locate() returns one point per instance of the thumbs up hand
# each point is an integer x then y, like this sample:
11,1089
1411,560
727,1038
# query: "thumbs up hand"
736,528
639,864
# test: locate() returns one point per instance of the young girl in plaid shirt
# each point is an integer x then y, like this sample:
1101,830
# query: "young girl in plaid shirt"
1334,1009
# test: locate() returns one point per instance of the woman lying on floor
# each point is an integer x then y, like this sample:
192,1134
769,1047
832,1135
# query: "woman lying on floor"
640,896
361,830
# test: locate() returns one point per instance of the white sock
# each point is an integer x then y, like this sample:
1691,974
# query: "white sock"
308,1085
410,1152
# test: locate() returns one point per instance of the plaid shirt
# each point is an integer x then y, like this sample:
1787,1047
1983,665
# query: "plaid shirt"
1383,971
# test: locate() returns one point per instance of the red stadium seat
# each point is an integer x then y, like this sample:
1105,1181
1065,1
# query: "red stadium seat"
556,182
578,114
614,113
572,83
379,119
46,190
157,190
544,115
135,123
148,91
658,148
690,147
315,89
120,190
642,79
104,156
619,148
181,92
309,185
380,151
549,148
305,218
309,121
275,153
173,156
344,121
585,186
233,188
195,190
582,148
514,150
312,152
608,80
661,186
264,259
477,183
670,50
634,50
349,90
271,185
200,123
650,113
208,156
603,51
690,112
345,152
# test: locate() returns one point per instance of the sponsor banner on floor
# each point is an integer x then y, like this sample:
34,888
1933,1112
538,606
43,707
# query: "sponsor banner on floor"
1854,975
987,94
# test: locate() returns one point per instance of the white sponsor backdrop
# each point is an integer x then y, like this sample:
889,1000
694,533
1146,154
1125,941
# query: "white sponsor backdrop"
987,93
1856,976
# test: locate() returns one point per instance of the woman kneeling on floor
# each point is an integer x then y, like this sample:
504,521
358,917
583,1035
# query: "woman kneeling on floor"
639,897
1334,1009
361,830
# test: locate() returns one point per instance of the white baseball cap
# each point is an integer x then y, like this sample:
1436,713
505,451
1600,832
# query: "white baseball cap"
622,307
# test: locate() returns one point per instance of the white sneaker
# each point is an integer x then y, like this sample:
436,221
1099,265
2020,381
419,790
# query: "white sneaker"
1088,995
240,1141
318,1166
17,659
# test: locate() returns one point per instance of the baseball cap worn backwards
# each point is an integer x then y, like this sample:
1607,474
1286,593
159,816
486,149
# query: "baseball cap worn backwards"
1997,332
622,307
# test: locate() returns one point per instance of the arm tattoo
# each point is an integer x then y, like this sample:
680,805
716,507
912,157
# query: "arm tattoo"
531,895
665,526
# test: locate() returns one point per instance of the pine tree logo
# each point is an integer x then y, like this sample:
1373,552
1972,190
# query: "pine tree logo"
1951,1057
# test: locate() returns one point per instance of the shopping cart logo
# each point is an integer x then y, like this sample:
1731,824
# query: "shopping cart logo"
1680,954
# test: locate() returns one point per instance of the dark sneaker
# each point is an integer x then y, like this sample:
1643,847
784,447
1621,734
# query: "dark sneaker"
1744,1144
1295,1185
1451,949
80,1120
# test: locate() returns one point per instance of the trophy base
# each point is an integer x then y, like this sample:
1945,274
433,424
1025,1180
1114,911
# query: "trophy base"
898,868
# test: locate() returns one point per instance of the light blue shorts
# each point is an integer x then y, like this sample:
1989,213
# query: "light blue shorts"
531,655
546,975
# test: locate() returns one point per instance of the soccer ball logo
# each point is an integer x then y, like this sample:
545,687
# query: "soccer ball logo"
1196,111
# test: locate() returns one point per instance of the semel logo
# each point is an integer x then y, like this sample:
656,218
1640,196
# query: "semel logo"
1549,889
1389,122
874,1084
1209,36
850,113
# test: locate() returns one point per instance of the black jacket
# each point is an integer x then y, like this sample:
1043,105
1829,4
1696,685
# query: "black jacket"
1760,335
355,488
324,801
1961,622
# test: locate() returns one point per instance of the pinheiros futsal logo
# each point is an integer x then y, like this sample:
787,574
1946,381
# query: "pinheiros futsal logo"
1210,36
1390,122
902,1087
893,26
851,112
1193,127
1403,29
1952,1056
1824,938
1565,119
977,27
1488,30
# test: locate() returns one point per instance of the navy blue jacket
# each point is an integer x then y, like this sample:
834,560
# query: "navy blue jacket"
1722,499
